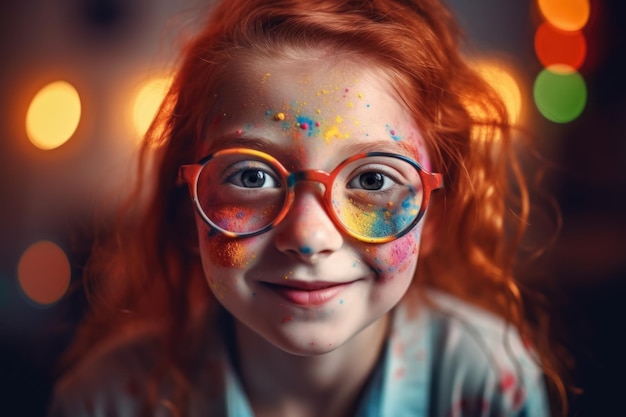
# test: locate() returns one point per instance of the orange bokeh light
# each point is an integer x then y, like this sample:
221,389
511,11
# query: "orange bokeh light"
565,14
44,272
555,46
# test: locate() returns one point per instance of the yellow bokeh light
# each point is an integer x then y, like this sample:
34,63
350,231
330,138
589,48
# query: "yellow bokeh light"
147,101
501,80
44,272
507,88
53,115
569,15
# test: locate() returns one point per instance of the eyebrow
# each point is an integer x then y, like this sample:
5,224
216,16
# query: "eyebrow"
251,142
380,146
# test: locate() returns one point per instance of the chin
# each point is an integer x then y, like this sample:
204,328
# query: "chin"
305,346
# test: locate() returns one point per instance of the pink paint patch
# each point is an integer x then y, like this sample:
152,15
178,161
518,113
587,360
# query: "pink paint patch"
507,381
304,126
400,252
398,349
399,373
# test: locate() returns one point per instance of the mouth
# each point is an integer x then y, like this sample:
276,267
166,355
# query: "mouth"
308,293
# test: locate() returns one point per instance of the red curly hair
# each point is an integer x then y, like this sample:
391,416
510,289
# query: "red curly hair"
151,270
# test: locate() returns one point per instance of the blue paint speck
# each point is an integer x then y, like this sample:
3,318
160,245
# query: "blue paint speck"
392,133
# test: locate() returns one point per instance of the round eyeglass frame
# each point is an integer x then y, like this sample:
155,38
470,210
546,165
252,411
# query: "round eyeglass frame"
190,173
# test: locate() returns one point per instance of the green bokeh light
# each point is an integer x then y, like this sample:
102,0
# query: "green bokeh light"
560,94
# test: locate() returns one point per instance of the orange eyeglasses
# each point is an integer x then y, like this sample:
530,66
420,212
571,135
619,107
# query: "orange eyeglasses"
375,197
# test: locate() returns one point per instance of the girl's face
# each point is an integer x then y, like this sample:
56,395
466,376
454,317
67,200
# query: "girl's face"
306,286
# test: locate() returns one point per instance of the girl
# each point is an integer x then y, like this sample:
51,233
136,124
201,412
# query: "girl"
351,217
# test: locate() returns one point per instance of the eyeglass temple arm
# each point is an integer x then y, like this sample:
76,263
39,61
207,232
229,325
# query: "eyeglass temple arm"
434,180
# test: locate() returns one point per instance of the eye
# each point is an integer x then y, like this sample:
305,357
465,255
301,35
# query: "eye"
253,178
371,181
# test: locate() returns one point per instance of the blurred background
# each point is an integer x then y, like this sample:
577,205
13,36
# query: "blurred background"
81,79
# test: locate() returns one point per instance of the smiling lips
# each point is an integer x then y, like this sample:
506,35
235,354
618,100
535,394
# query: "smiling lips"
309,294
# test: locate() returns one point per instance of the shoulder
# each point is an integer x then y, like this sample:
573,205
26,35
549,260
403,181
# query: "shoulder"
481,363
111,378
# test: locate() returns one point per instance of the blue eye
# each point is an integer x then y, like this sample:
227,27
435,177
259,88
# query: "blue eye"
371,181
253,178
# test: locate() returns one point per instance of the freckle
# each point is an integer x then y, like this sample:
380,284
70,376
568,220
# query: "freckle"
347,90
253,294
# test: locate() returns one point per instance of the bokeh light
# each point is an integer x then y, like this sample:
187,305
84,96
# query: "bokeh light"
44,272
147,102
560,93
504,83
555,46
565,14
53,115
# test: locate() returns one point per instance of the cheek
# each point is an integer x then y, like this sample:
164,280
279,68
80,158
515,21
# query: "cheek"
394,259
222,251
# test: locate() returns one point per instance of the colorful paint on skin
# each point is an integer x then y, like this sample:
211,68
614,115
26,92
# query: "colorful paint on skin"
401,255
378,222
309,125
242,218
228,252
393,134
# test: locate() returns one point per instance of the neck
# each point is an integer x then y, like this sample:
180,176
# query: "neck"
328,384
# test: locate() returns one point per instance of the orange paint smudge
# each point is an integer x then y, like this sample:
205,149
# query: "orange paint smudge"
227,252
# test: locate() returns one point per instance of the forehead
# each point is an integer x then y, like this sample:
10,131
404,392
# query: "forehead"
319,103
323,80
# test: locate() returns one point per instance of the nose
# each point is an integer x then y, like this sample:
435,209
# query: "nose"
307,232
